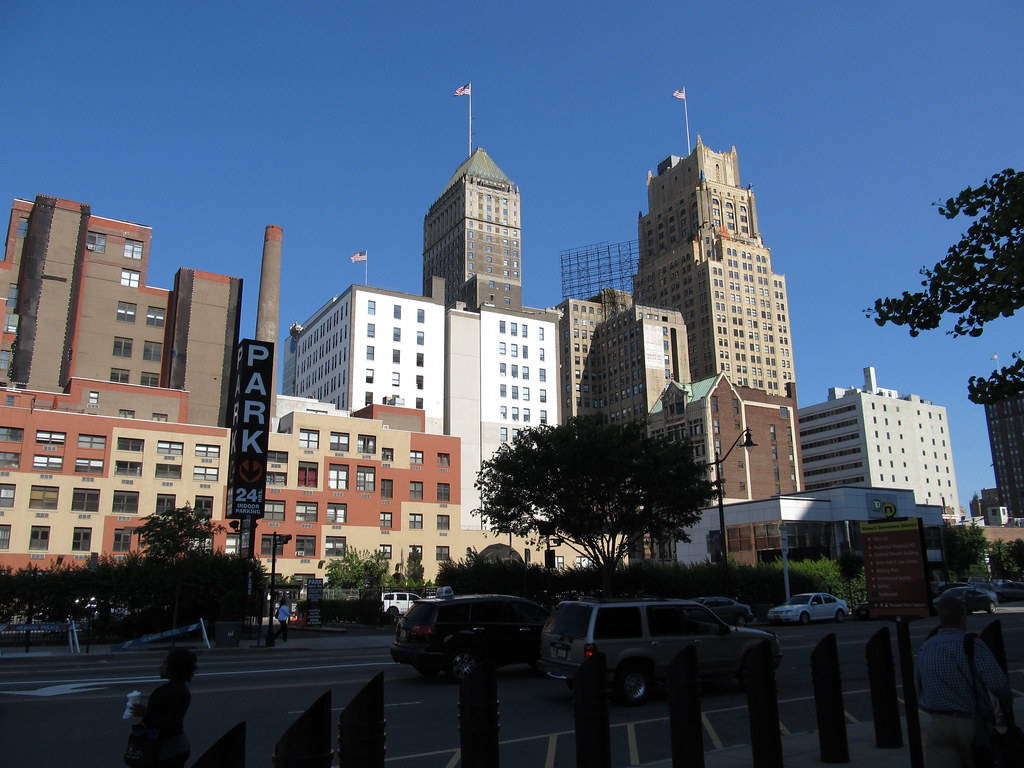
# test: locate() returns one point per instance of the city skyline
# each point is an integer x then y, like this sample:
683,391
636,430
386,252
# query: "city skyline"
849,130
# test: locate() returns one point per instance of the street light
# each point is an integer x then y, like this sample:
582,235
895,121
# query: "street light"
748,442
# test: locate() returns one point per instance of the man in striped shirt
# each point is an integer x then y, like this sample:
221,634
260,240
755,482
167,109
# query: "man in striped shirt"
944,687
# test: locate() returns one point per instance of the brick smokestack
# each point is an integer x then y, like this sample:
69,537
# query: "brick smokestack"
269,308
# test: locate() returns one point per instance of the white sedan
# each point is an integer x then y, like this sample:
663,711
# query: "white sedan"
810,606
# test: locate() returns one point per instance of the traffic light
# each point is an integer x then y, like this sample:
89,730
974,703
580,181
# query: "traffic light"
283,538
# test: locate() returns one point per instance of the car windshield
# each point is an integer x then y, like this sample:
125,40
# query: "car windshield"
799,600
421,613
569,621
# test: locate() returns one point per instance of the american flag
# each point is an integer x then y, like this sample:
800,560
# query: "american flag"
358,256
680,94
464,90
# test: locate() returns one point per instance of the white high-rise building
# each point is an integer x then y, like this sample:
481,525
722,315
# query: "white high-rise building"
875,437
368,346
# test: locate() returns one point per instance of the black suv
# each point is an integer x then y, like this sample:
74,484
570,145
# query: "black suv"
455,634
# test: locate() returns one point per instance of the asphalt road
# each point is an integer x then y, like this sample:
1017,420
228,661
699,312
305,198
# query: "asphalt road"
65,710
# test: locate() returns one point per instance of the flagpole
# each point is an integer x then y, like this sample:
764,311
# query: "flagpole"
366,268
686,112
470,119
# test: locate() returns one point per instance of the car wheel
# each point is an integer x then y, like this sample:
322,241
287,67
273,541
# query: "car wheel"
840,616
805,618
462,663
392,614
741,620
633,683
991,607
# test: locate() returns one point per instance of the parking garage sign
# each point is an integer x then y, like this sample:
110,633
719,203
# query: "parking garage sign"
250,428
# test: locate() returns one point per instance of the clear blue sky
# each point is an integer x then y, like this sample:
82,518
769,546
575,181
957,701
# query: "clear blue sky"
210,120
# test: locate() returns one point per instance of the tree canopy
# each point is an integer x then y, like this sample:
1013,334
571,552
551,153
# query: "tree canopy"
965,547
600,487
357,569
173,533
980,279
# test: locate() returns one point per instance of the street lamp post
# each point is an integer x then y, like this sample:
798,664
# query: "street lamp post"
723,547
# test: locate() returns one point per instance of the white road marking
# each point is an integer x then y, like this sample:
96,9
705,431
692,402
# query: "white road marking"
634,753
783,729
60,690
455,759
711,731
850,717
549,758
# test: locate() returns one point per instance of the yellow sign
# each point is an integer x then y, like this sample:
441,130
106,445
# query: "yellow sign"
885,526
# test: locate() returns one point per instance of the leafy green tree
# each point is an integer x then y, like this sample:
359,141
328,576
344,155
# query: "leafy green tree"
414,567
357,569
1016,552
965,547
175,533
599,487
980,279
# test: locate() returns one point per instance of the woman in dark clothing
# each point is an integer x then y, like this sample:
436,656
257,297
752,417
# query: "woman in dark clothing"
166,708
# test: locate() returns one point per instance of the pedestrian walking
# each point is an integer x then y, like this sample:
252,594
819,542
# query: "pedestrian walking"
956,678
164,712
284,615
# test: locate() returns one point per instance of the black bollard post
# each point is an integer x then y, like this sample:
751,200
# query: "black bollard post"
590,712
362,739
307,742
685,728
478,717
828,701
226,752
757,672
992,636
909,693
882,681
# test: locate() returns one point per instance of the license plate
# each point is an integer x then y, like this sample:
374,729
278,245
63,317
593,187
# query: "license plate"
561,653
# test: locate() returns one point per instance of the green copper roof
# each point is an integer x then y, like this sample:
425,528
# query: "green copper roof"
693,390
480,165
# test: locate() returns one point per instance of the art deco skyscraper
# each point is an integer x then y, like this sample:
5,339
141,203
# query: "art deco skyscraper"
701,252
471,237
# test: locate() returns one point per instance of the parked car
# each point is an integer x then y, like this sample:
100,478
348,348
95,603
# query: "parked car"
396,604
1009,590
975,598
639,639
728,610
861,611
456,634
808,607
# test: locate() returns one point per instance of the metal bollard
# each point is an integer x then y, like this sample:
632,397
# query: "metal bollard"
828,701
909,693
685,727
590,713
227,752
362,738
307,742
882,681
992,636
478,717
758,675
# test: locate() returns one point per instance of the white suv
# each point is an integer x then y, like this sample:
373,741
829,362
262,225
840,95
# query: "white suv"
395,604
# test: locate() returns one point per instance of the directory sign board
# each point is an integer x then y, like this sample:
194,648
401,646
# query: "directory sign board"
895,568
314,598
250,429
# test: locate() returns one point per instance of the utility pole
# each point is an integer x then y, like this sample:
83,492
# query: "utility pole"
283,538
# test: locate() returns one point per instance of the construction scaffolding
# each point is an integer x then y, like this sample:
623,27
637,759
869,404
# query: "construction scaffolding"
587,270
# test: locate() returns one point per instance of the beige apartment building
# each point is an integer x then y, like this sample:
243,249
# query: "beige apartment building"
701,252
472,237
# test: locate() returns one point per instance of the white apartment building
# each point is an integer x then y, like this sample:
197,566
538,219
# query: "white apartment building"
501,376
875,437
368,346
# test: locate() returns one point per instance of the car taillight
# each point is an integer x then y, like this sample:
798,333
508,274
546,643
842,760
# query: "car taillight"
421,629
589,650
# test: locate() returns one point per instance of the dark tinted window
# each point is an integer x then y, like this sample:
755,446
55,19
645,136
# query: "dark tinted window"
490,612
421,613
701,621
666,620
569,620
528,613
451,614
615,622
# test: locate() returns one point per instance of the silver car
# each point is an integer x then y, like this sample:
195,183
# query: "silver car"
639,640
810,606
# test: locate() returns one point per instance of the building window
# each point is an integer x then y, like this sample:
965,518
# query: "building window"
133,444
396,334
419,338
122,347
443,522
168,471
81,539
415,521
267,546
371,330
415,457
385,550
6,495
48,463
5,537
165,502
442,554
387,488
273,510
369,376
308,475
419,359
125,502
155,317
85,500
231,543
387,454
126,312
371,307
210,451
123,539
335,546
170,447
385,519
444,459
396,379
419,382
369,352
444,492
416,490
94,241
94,399
204,506
337,513
306,511
149,379
277,478
398,311
120,376
128,468
45,437
366,444
152,350
309,438
421,316
12,434
337,477
365,478
339,442
208,474
130,278
132,249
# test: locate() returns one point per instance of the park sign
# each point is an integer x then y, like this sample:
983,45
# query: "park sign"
250,428
895,568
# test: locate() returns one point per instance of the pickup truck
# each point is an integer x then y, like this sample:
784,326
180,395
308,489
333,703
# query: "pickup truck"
396,604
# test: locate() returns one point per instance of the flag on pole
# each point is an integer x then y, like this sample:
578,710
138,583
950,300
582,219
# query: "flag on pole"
358,256
464,90
680,94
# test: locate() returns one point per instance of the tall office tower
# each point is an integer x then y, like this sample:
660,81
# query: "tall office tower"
617,357
1006,436
701,252
472,237
371,346
78,309
875,437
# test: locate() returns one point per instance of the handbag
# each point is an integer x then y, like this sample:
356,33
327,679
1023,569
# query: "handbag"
142,748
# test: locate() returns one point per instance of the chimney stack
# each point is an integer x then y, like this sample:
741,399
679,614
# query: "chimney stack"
269,306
